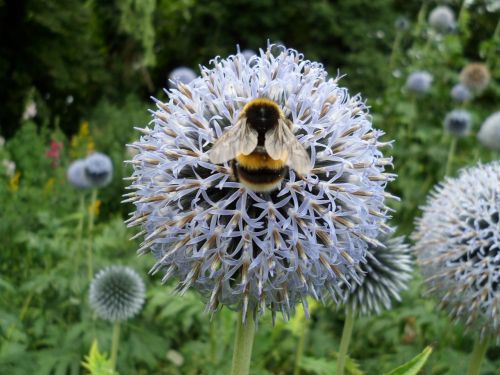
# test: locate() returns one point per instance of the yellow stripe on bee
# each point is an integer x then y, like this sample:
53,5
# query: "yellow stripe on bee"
262,102
256,161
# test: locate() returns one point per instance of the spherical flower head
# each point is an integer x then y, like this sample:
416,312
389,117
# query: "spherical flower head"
458,122
442,19
460,93
117,293
419,82
386,273
98,169
489,134
76,175
260,250
181,74
475,76
402,23
458,247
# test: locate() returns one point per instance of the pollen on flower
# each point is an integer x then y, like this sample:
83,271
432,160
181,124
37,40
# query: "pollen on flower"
258,251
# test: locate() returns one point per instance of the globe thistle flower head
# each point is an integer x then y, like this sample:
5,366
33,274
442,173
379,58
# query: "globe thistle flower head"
457,245
181,74
475,76
117,293
257,250
98,169
385,274
458,122
489,134
460,93
76,175
419,82
402,23
442,19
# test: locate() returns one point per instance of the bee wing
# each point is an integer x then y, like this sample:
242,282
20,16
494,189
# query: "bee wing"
281,144
240,139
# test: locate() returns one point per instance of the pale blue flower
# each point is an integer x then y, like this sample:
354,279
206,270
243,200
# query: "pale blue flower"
460,93
458,247
419,82
458,122
117,293
386,273
489,134
442,19
181,74
256,251
98,169
76,175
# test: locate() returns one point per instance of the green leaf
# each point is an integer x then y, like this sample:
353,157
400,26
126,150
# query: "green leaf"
97,363
413,366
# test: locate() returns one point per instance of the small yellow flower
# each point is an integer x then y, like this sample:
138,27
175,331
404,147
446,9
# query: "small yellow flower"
95,208
82,143
49,185
14,182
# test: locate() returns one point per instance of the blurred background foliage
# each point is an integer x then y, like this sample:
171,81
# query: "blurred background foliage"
89,67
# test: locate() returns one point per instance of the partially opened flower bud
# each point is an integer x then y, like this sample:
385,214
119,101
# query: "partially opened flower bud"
419,82
457,244
76,175
489,134
460,93
98,169
182,74
475,76
458,122
246,229
385,275
442,19
117,293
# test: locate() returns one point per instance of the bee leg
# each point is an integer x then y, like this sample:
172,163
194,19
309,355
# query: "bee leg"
234,169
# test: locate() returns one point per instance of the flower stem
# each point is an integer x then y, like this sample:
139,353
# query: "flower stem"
451,153
345,340
90,265
243,343
478,353
115,342
395,50
495,42
300,347
79,231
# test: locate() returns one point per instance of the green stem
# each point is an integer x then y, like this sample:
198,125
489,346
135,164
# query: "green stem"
115,342
243,343
495,43
300,347
79,231
451,153
478,353
421,18
90,262
395,50
413,120
345,340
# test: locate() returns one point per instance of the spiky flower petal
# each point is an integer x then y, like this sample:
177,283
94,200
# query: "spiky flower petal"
76,175
386,273
117,293
458,122
419,82
442,19
458,247
260,250
181,74
475,76
98,169
489,134
460,93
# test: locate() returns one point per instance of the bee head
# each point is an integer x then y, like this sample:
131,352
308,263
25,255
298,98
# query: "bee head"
262,114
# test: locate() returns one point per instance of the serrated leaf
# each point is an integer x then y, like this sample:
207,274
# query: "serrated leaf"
413,366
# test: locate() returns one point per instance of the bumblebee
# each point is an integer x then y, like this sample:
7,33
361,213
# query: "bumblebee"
261,146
